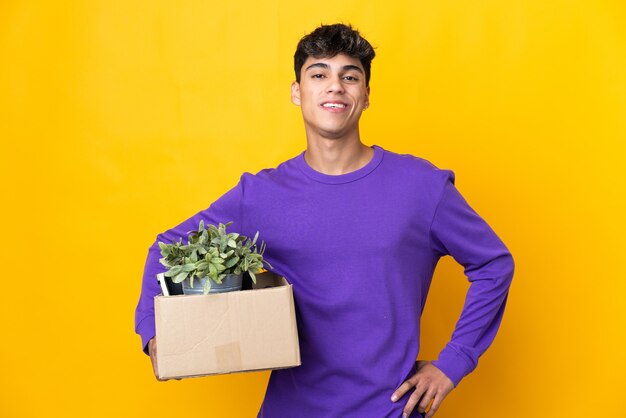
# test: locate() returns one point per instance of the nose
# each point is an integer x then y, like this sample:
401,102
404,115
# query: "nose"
335,85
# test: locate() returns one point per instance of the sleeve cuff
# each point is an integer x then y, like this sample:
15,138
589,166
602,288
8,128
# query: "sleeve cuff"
146,330
454,365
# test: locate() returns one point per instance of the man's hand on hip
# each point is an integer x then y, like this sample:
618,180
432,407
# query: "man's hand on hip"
430,383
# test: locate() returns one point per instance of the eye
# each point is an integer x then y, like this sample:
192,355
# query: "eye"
317,76
351,78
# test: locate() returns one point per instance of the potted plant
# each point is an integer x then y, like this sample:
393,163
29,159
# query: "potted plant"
213,260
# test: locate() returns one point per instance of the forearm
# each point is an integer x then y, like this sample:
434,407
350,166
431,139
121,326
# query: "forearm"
144,313
479,321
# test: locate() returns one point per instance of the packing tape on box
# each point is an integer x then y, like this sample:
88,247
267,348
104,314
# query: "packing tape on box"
228,356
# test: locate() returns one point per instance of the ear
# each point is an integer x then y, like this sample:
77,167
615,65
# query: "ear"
367,99
295,93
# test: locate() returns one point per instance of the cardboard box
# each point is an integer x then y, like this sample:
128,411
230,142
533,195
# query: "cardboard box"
199,335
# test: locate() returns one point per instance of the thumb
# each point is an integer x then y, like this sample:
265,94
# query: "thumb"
422,363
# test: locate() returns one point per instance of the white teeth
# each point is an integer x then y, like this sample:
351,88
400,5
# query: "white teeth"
333,105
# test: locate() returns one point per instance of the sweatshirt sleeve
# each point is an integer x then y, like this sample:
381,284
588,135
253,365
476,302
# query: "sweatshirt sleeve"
457,230
227,208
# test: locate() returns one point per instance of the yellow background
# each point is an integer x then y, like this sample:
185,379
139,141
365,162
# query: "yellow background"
119,119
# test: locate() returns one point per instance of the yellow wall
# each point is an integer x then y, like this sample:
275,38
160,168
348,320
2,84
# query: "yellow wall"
119,119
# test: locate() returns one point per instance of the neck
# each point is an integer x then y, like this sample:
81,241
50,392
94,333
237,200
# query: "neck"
337,156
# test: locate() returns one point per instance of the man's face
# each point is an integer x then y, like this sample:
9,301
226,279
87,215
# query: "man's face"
332,94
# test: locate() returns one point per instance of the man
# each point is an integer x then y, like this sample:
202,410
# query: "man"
358,231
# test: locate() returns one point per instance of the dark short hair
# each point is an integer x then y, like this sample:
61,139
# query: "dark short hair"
329,40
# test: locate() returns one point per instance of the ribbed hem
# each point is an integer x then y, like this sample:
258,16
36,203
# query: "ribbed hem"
455,365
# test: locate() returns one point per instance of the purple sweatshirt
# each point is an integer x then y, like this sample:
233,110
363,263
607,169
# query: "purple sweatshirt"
360,250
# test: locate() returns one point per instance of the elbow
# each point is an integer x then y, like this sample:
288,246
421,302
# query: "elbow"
511,265
508,269
503,277
500,268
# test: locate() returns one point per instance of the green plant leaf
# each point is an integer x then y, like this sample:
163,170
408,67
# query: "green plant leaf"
189,267
231,262
212,251
180,277
173,271
165,249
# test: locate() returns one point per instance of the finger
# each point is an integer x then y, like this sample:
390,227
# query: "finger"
402,390
156,373
155,366
426,400
413,400
435,406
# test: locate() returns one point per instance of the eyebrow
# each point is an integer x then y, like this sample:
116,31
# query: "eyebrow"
327,67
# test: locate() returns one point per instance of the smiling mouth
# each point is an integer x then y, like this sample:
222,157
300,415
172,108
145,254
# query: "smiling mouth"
334,105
